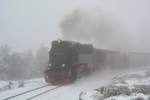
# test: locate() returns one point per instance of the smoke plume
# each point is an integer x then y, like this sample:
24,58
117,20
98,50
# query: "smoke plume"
99,28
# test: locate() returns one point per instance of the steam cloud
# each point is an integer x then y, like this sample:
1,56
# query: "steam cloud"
96,27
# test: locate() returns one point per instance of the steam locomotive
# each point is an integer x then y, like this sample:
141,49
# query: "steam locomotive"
70,60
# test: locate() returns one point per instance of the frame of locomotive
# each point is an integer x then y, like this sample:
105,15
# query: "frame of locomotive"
70,60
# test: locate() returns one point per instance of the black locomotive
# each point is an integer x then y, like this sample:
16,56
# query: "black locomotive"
69,60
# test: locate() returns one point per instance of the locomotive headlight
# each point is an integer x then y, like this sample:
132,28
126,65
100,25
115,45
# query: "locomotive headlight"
49,65
63,65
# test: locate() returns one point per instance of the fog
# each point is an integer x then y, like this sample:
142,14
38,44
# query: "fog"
27,28
117,24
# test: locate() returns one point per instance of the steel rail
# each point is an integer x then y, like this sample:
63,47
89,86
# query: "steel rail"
25,92
43,93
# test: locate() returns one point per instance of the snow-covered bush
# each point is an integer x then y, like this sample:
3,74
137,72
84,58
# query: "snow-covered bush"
135,86
138,98
93,95
113,90
145,89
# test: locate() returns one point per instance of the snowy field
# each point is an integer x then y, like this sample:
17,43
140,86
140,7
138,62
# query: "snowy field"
126,86
15,87
10,85
105,84
67,92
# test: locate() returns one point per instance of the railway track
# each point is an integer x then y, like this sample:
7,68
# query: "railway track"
34,95
39,94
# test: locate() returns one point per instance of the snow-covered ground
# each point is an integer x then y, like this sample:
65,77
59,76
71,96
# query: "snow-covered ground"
72,91
10,85
130,85
90,87
67,92
10,88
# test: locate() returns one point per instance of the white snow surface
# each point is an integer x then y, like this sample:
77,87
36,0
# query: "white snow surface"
87,85
66,92
130,79
28,85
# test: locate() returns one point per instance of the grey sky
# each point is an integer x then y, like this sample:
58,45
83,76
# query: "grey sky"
25,24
